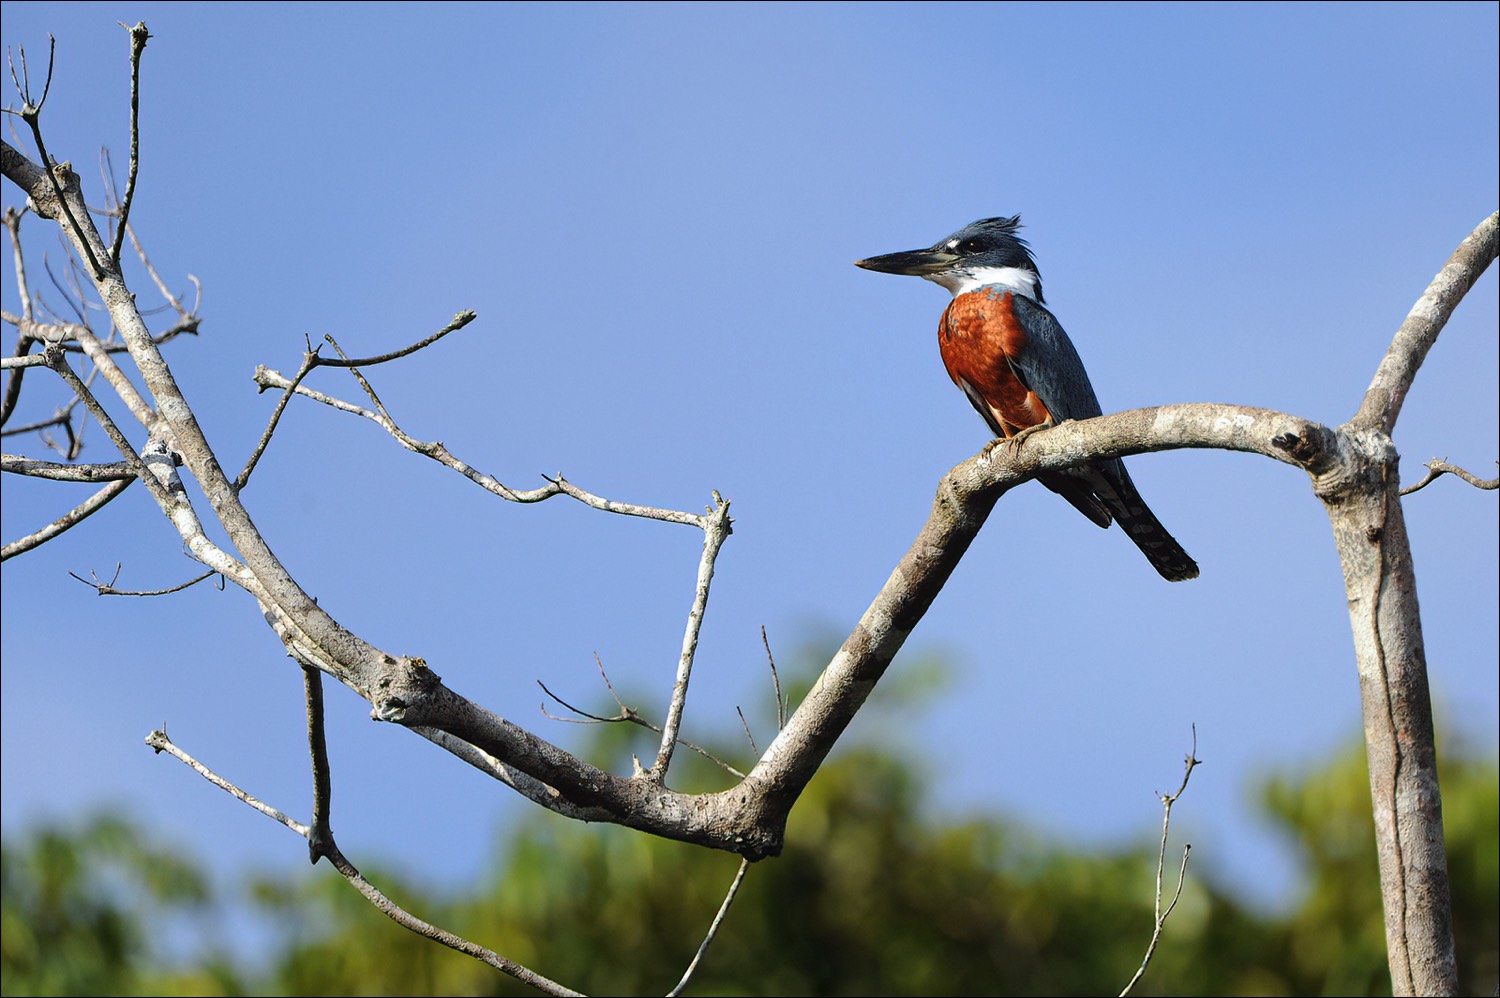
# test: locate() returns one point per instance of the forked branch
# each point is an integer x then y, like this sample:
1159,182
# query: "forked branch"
1162,914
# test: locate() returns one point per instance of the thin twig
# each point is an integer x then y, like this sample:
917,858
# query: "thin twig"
111,191
61,419
68,289
159,741
1167,800
717,526
308,363
599,663
64,419
58,363
359,376
33,331
426,929
72,518
16,364
23,291
23,85
183,327
713,929
775,680
108,588
138,37
750,737
436,451
632,716
31,114
459,321
1436,469
584,717
187,314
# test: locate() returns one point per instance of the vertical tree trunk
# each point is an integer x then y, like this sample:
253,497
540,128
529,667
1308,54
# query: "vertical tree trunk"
1363,502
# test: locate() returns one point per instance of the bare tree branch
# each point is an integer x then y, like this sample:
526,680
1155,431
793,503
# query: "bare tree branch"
63,419
713,929
138,38
749,735
266,378
108,588
69,285
1436,469
158,471
189,316
297,615
964,500
12,220
460,320
320,834
775,680
243,478
716,530
159,741
21,361
1361,495
424,928
629,715
1393,379
750,819
311,360
31,114
23,83
64,332
70,519
100,354
17,465
1167,800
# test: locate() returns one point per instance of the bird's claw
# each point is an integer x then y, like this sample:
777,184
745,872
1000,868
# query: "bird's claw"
1012,444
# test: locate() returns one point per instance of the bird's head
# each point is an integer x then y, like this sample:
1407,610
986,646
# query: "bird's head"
984,252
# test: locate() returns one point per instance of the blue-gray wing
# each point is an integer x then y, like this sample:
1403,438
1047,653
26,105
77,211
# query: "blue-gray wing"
1050,366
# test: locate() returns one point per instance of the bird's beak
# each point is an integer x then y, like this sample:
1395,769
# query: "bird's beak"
913,263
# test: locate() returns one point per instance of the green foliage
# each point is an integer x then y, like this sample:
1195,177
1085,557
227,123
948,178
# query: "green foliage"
77,909
872,896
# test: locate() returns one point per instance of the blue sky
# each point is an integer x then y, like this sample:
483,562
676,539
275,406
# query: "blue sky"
654,211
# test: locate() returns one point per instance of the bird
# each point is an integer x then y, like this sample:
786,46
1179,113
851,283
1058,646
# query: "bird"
1020,371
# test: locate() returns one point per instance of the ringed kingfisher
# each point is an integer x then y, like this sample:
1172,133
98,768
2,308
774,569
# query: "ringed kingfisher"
1021,372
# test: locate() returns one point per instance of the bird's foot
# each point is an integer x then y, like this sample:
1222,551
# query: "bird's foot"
1012,444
